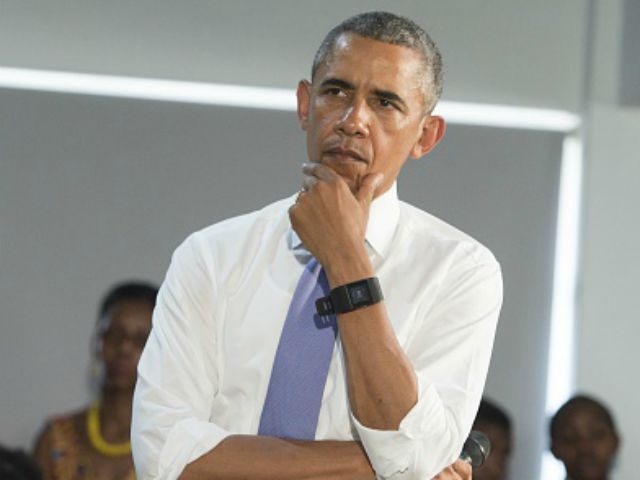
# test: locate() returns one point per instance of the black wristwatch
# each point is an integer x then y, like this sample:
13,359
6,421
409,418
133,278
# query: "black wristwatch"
350,297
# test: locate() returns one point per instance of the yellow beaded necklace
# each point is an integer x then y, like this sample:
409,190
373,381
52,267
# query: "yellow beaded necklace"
95,437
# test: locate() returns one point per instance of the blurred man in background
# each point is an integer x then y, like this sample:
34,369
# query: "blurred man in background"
495,423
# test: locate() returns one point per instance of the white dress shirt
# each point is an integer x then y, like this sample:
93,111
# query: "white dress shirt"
205,369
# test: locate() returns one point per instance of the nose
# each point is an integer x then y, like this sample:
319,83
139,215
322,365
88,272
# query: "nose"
125,348
585,445
354,121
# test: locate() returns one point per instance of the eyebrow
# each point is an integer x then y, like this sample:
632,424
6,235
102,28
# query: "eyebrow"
336,82
385,94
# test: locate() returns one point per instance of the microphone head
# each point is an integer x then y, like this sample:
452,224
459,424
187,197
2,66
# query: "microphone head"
476,448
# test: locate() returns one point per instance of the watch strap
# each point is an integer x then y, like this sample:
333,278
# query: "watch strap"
350,297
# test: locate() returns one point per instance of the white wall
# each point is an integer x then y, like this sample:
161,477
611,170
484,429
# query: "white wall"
496,51
609,326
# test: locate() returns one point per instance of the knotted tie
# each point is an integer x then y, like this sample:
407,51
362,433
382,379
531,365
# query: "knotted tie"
301,364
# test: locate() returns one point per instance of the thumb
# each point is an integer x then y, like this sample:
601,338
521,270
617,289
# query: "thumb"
463,469
368,188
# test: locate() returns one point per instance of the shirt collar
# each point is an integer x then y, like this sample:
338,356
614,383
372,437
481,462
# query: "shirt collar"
383,220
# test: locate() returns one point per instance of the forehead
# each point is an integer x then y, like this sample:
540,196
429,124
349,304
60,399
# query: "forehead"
582,414
130,313
493,431
363,60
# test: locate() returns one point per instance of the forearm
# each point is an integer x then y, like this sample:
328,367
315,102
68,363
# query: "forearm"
257,457
381,381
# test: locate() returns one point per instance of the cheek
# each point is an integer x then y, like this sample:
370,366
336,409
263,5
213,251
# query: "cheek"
399,141
105,352
322,112
566,454
318,126
396,125
607,450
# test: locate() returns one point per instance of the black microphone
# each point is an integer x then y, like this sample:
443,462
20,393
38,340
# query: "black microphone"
476,449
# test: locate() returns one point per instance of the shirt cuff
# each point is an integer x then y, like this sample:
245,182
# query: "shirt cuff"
400,454
187,441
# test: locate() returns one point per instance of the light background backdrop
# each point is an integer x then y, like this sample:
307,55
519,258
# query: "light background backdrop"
94,190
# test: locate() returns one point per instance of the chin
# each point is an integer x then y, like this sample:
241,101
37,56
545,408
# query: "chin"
121,382
352,183
351,178
347,169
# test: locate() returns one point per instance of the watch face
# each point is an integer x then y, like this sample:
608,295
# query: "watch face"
359,294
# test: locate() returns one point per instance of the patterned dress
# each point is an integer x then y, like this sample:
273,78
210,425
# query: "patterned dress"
72,456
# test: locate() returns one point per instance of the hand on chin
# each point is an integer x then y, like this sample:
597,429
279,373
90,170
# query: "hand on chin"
351,172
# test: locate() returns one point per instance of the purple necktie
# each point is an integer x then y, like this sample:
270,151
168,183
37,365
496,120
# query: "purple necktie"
301,364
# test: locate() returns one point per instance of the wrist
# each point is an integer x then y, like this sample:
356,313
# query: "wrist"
350,297
344,267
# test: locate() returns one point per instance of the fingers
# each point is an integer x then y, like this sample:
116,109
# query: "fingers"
314,173
308,182
319,171
463,469
368,188
460,470
446,474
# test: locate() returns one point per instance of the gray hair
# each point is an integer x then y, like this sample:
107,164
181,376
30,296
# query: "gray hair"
396,30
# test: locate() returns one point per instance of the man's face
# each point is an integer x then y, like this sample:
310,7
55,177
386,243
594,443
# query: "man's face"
585,443
365,111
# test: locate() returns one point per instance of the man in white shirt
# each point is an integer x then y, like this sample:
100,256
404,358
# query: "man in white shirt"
407,372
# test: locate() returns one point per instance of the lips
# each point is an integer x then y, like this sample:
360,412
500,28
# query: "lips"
121,367
345,153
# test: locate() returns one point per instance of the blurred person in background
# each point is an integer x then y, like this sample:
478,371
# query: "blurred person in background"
495,423
584,438
94,443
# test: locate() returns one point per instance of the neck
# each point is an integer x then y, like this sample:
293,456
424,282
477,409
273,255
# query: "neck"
115,409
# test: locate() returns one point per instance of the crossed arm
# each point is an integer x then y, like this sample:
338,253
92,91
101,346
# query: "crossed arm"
258,457
276,459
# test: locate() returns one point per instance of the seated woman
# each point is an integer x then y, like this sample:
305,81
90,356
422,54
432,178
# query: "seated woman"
93,443
584,438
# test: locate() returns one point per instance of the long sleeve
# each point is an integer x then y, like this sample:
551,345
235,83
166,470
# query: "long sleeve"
205,369
450,349
177,377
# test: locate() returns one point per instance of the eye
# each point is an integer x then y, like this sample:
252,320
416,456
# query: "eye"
567,438
333,91
387,104
599,433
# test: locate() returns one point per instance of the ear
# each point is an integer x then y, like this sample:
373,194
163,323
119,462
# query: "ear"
303,94
433,130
